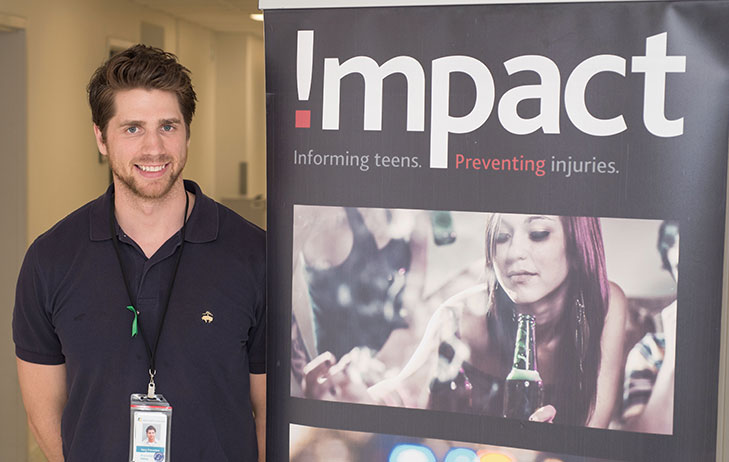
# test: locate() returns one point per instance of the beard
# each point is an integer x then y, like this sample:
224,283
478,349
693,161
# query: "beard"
156,189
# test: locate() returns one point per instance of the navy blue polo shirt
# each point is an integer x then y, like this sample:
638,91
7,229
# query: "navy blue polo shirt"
70,309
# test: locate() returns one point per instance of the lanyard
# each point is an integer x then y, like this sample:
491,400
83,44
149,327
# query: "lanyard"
151,352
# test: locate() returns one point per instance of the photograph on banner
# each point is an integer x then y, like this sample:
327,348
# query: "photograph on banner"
548,318
312,444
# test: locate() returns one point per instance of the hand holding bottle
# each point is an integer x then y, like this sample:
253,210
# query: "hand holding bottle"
544,414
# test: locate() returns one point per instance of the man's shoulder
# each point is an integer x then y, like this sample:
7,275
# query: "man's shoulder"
216,222
232,224
73,228
237,246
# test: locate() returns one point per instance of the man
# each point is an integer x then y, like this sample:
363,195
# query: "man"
151,282
650,367
151,435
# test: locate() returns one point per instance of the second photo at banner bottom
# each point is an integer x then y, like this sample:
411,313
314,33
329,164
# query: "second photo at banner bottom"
312,444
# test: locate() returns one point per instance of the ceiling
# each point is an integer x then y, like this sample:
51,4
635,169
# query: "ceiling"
217,15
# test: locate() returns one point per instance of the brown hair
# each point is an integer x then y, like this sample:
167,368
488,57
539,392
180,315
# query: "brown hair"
140,66
579,349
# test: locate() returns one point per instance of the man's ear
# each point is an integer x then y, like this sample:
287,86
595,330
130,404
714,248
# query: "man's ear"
100,140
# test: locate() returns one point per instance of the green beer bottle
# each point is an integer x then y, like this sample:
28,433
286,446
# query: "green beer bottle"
524,392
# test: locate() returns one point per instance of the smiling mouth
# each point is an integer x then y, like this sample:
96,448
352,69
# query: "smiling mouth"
151,168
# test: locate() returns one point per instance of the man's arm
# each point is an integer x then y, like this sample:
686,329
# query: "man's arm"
44,394
258,401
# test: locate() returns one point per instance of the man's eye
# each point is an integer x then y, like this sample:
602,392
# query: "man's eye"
132,130
537,236
167,128
502,237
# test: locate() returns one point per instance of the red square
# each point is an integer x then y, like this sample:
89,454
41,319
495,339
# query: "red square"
303,119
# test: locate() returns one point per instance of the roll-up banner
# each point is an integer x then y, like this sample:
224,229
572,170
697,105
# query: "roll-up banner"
496,231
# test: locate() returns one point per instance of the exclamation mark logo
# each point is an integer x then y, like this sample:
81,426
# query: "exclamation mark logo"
304,63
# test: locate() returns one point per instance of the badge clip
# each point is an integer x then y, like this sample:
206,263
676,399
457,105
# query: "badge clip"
151,387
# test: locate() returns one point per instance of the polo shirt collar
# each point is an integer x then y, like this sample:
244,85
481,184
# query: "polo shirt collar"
202,226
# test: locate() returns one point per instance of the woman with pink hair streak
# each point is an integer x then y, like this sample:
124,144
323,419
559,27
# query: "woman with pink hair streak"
553,268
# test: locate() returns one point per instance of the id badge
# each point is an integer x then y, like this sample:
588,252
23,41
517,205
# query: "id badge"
149,431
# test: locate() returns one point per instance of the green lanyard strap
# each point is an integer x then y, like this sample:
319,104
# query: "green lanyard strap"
135,320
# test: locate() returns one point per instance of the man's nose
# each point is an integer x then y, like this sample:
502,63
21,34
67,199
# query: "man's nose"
153,143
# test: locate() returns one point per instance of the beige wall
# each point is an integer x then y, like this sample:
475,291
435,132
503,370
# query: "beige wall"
231,66
196,50
240,111
63,172
255,80
13,432
66,41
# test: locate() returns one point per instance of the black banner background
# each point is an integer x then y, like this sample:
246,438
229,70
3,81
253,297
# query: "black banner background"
681,178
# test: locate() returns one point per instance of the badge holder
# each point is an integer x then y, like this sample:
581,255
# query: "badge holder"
150,422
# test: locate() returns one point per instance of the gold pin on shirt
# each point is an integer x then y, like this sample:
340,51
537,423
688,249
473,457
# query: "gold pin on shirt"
207,317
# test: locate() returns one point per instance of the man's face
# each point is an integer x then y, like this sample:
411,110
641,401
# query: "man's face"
146,141
150,435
